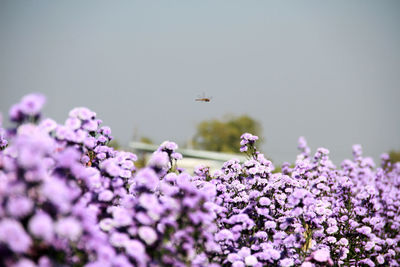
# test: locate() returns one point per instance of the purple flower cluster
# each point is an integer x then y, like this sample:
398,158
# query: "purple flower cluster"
28,109
247,143
68,199
3,140
311,214
38,216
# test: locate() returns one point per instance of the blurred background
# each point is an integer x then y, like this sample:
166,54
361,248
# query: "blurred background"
328,71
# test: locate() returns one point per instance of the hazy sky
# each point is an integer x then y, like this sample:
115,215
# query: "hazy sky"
326,70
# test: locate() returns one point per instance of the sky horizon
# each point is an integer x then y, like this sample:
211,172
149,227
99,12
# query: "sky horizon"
328,71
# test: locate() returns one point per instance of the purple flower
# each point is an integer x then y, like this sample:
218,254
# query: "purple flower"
119,239
248,137
273,253
232,257
19,206
121,217
321,255
25,263
41,225
137,250
261,234
238,264
357,151
297,212
159,160
368,262
16,114
183,181
102,139
147,234
270,225
287,262
244,252
209,190
150,202
32,104
125,173
48,125
366,230
90,125
168,146
332,230
63,197
68,158
106,224
13,234
121,260
105,130
300,193
369,245
106,196
176,156
69,227
82,113
380,259
111,167
343,241
3,143
91,176
90,142
73,123
224,234
127,165
148,178
250,260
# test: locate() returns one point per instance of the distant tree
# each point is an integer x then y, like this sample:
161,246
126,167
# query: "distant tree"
224,135
146,140
114,144
394,156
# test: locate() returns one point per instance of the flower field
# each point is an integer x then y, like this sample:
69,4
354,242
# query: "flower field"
68,199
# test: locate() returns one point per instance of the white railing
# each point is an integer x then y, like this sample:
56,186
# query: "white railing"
191,153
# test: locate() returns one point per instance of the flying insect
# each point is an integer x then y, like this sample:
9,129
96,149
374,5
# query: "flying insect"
203,98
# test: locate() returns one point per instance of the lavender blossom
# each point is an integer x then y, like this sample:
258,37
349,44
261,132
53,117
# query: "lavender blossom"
67,198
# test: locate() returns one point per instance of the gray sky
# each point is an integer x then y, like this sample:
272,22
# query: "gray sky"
327,70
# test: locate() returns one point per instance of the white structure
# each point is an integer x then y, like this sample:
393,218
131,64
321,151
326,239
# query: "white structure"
191,158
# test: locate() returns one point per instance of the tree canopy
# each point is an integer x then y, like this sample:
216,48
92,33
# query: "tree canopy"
224,135
394,156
